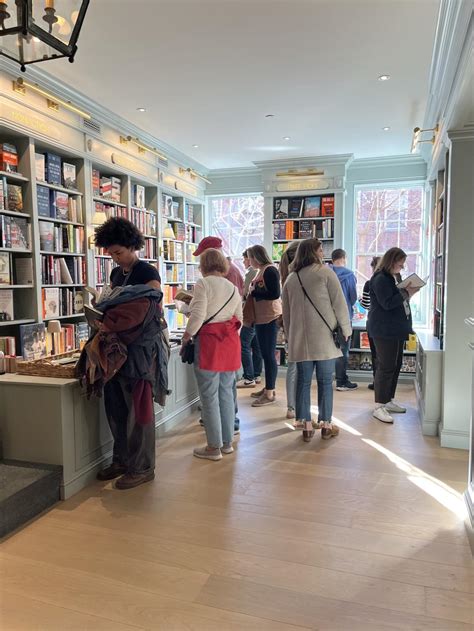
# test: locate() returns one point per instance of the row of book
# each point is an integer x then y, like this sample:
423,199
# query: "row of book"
62,271
105,186
189,215
21,273
174,273
193,234
61,301
11,196
37,343
363,361
170,208
145,220
296,207
15,232
61,238
175,231
6,305
8,345
175,319
169,293
138,196
59,205
189,248
52,169
173,251
149,249
103,269
304,229
192,273
360,340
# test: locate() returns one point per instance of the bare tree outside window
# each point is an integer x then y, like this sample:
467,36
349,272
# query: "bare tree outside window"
238,221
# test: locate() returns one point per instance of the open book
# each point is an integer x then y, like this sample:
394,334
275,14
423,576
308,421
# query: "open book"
414,280
92,315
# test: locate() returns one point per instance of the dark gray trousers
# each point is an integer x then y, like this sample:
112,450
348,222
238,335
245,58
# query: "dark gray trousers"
134,444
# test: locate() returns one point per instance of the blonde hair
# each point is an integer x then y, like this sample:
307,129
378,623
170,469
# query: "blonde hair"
287,259
307,254
212,261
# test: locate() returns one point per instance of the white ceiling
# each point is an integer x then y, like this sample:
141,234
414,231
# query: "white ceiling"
209,70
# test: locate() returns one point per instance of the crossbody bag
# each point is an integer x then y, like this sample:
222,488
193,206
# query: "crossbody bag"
188,351
337,335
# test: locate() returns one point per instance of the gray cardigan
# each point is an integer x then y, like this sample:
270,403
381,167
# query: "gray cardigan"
309,339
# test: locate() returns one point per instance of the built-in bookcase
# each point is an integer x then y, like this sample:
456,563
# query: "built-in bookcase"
439,252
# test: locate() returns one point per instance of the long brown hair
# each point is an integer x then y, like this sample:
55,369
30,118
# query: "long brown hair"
286,260
388,260
307,254
259,254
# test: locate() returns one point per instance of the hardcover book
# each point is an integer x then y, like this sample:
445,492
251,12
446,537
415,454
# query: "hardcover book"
327,206
23,271
53,169
95,183
279,230
81,335
312,206
5,274
60,205
296,207
40,166
46,234
277,251
43,197
14,197
3,193
8,157
138,196
33,341
20,232
365,362
306,229
116,188
5,238
69,175
364,340
167,205
51,302
106,187
280,209
6,305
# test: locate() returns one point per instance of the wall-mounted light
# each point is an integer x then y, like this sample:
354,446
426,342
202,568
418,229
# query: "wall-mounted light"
52,100
194,174
143,148
416,140
295,173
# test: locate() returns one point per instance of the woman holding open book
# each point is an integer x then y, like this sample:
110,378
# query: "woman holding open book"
389,325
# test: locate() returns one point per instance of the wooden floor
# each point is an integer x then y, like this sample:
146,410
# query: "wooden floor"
361,532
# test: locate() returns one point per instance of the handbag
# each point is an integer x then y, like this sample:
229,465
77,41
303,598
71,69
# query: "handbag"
248,312
188,350
337,334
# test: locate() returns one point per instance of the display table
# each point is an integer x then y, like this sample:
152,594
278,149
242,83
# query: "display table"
50,421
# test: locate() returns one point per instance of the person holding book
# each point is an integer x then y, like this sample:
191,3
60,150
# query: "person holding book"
214,323
137,325
349,288
365,303
389,324
251,355
313,305
264,294
291,371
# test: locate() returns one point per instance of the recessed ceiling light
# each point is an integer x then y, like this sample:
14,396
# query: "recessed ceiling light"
195,146
385,128
384,77
269,115
141,109
286,138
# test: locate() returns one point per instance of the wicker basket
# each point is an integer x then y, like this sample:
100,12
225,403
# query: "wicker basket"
45,368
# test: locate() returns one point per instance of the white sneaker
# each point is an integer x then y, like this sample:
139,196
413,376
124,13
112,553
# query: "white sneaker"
258,380
381,414
246,383
227,448
394,407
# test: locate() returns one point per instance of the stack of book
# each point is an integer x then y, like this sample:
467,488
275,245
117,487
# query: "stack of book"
173,251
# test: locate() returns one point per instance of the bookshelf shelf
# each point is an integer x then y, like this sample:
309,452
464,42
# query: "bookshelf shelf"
61,253
64,317
15,213
61,189
17,286
16,250
108,201
15,177
103,256
173,219
15,322
63,285
63,221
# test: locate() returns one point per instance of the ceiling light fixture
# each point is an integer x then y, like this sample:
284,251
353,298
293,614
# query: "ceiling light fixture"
384,77
31,32
20,84
269,115
286,138
385,128
195,146
143,147
141,109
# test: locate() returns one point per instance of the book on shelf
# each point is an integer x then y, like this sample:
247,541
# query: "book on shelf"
277,250
306,229
291,230
52,270
280,209
40,167
312,206
296,208
327,206
189,212
138,195
43,198
105,187
167,204
15,232
14,198
353,361
5,271
69,175
95,182
60,205
24,271
408,364
3,193
8,345
53,169
8,157
50,300
33,341
81,335
365,362
6,305
46,235
279,230
364,340
410,344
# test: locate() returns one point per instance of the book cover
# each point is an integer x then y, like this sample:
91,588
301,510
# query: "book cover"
106,187
8,157
50,297
327,206
69,175
295,208
95,183
23,271
5,272
353,361
46,234
277,251
365,362
78,301
20,233
40,166
279,230
53,169
116,188
290,230
6,305
5,240
33,341
312,206
138,196
280,208
60,205
306,229
14,198
3,193
44,201
81,335
410,344
167,205
364,340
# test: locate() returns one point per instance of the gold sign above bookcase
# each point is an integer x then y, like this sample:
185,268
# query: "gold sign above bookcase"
316,184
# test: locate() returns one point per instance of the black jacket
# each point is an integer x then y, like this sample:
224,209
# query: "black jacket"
387,317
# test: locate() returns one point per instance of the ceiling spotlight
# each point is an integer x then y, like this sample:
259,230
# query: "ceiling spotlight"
195,146
385,128
141,109
286,138
269,115
384,77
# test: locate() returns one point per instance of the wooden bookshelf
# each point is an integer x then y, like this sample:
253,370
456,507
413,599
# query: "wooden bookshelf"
439,252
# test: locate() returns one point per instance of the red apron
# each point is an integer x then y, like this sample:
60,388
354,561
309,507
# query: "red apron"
219,346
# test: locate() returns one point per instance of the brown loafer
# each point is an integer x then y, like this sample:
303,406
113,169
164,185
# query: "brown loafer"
329,432
111,472
131,480
308,432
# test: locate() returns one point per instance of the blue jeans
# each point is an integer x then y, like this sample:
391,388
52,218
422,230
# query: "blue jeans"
216,390
251,355
324,373
341,364
267,337
291,381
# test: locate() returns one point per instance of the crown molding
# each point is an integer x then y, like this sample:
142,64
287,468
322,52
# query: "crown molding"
99,113
305,162
461,134
387,162
237,172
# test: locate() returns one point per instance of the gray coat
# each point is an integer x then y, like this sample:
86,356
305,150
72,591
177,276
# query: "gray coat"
309,339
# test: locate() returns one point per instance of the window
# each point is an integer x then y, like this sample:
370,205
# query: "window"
386,217
238,221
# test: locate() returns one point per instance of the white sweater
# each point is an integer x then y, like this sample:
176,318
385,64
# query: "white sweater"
210,294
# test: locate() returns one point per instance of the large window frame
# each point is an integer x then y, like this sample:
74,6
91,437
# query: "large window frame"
421,303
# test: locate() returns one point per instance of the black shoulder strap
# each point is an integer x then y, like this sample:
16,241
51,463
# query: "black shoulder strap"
217,312
314,306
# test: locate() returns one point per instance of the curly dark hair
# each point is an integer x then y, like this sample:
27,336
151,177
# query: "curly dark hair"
119,231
